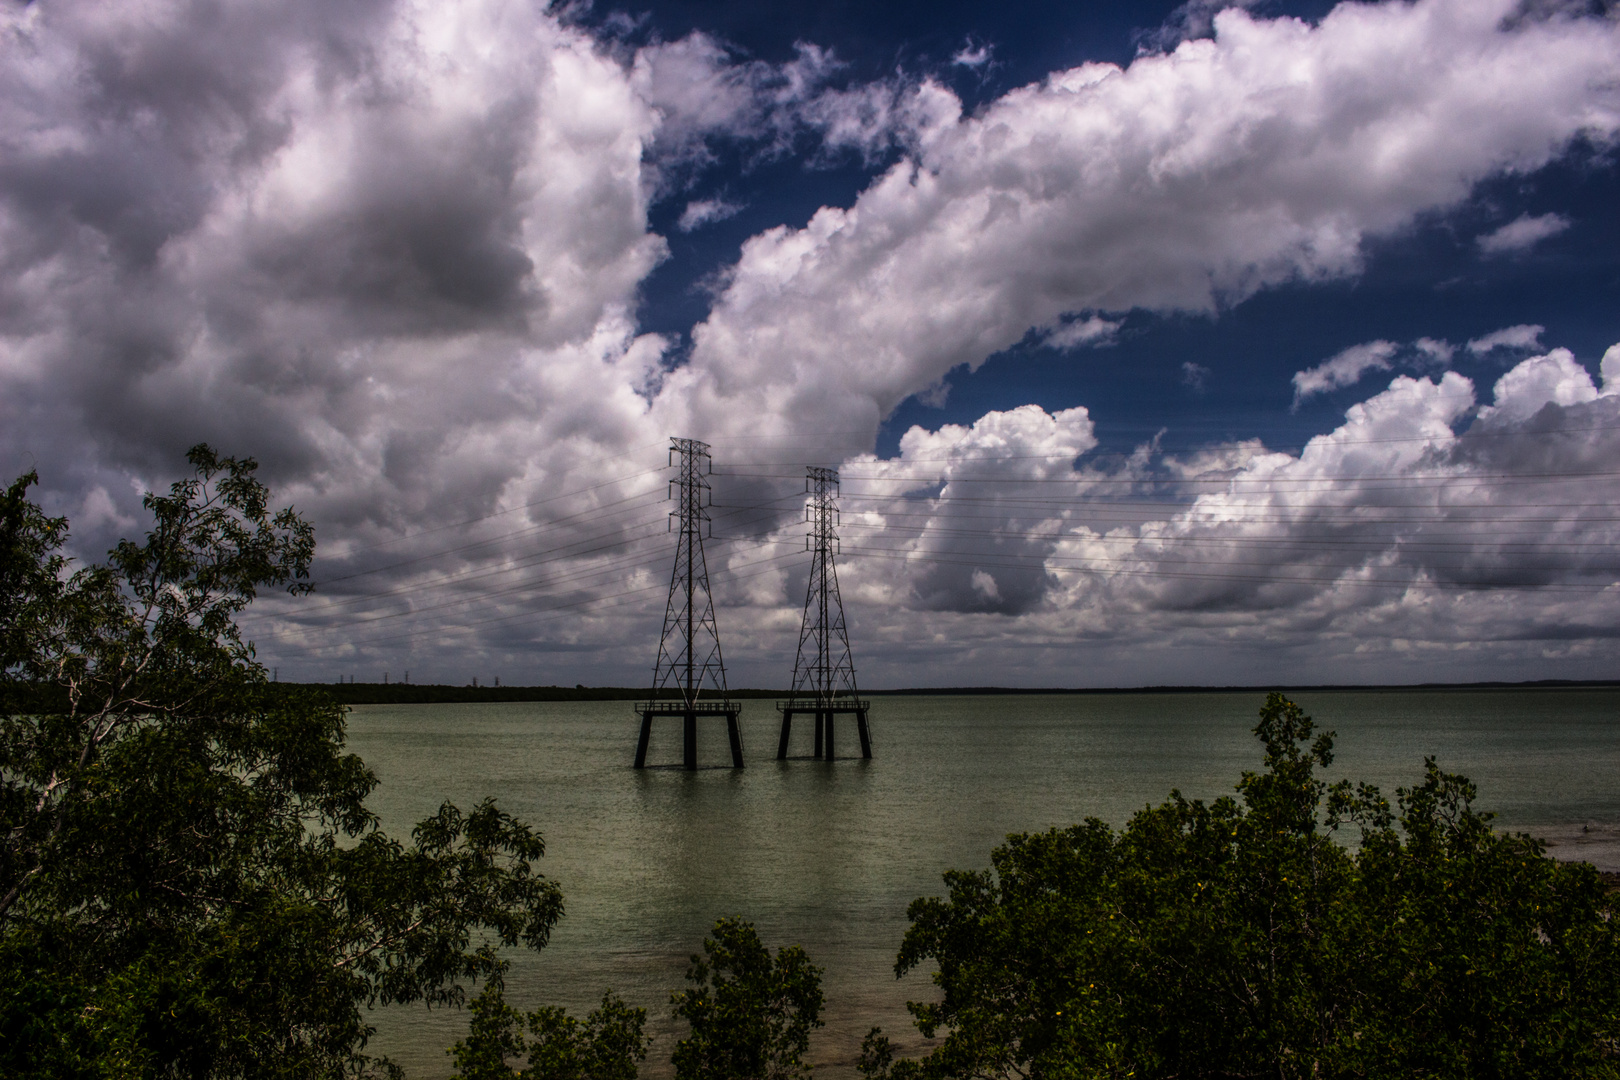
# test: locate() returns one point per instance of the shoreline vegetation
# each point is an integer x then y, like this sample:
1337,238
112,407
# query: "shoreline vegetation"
393,693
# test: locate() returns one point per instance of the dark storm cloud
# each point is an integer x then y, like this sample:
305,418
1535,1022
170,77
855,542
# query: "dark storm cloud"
283,228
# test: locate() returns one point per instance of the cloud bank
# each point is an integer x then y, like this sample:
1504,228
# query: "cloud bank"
395,250
1183,183
1428,528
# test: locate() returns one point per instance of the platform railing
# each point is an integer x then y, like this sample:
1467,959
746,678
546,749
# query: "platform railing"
680,707
810,704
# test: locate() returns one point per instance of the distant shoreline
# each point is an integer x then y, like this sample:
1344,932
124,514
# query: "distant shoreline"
441,694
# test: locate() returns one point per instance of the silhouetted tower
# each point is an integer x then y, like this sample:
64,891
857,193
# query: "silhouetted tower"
689,649
824,672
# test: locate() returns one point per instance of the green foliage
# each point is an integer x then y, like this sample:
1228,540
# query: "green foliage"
1486,957
608,1045
31,573
190,881
1237,939
751,1016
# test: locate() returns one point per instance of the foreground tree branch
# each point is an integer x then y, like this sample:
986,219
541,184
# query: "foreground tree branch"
190,881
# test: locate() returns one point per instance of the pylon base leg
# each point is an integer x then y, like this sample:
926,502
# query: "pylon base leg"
818,733
736,740
646,735
830,736
866,735
690,740
787,726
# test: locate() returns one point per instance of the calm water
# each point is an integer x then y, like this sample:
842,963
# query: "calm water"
827,855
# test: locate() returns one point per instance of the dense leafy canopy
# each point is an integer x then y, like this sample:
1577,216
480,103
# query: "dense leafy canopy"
1238,939
608,1045
190,881
750,1015
750,1018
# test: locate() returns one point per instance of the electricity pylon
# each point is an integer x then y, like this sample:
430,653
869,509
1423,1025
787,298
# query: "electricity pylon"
689,648
824,671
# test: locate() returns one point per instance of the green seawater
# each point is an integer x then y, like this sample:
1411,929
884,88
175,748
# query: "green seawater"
828,854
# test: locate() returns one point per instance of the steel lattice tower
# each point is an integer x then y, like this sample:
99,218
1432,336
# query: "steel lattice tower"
689,659
824,671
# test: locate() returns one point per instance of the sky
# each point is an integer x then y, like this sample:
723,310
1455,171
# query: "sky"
1251,344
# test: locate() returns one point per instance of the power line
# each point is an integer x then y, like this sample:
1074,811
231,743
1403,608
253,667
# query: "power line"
626,597
515,509
1189,506
629,563
1461,436
1269,482
474,573
1403,544
1338,578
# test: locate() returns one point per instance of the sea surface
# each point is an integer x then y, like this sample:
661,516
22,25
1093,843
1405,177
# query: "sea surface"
828,854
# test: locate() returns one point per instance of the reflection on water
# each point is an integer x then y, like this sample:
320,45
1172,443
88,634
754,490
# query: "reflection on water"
827,855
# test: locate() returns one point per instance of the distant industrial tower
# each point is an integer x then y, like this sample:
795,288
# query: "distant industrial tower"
824,672
689,648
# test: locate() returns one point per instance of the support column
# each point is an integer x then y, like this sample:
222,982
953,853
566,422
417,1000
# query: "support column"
866,736
691,739
646,734
787,726
736,740
830,716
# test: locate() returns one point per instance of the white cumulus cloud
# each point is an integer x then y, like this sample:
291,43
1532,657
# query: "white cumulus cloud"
1074,333
1438,352
972,55
1428,536
1523,232
1523,337
1183,182
1406,541
701,212
1344,369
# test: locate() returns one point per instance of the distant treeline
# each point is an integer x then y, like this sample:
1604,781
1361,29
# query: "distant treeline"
1538,684
433,693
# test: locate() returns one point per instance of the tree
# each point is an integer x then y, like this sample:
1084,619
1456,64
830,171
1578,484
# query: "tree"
750,1016
609,1045
1238,939
1468,953
190,882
